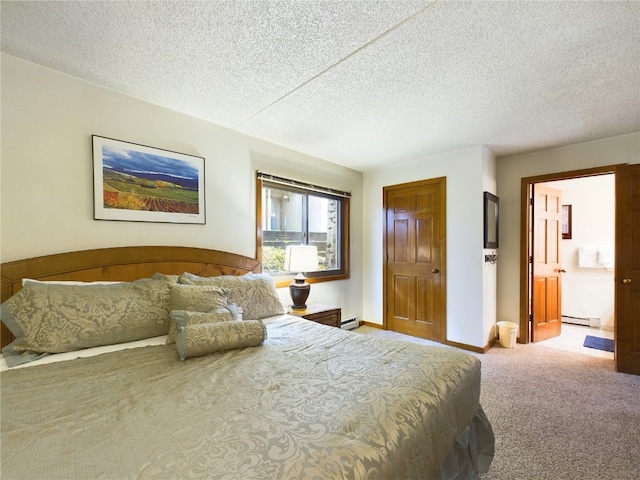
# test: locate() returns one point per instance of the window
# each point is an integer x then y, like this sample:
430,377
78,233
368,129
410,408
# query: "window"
294,213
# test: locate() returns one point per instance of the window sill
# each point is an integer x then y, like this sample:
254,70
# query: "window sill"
285,280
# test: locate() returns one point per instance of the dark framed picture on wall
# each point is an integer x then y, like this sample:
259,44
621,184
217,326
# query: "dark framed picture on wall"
491,204
138,183
566,222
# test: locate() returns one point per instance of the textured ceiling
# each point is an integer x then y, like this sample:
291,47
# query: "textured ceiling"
359,83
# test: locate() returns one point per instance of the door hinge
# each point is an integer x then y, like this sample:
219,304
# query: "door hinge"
530,318
530,259
531,201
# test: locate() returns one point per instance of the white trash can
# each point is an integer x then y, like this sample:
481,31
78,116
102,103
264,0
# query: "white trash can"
508,332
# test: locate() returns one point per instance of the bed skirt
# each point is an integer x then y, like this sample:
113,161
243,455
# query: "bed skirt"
471,453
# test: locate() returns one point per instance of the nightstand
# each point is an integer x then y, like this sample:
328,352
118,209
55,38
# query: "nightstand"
317,312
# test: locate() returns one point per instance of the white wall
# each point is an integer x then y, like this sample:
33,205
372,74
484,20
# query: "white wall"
588,292
598,153
47,176
489,269
464,170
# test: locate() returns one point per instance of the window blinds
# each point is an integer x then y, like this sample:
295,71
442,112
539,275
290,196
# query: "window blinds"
302,185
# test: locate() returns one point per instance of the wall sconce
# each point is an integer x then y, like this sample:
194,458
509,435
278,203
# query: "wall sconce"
301,259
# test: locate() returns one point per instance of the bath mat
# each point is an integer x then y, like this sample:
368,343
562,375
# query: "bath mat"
599,343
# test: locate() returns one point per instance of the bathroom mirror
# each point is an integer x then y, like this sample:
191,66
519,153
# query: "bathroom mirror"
490,220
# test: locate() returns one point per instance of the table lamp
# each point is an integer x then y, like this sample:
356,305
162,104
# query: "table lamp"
300,258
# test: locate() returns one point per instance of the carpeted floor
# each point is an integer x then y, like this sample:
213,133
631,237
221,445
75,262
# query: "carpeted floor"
556,415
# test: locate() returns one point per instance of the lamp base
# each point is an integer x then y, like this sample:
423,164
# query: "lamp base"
299,290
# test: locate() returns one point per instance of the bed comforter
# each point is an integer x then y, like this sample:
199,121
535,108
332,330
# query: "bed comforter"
311,402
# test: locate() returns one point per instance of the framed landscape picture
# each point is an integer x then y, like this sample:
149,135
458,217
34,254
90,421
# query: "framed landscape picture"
138,183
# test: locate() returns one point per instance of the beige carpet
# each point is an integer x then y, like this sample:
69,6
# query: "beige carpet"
556,415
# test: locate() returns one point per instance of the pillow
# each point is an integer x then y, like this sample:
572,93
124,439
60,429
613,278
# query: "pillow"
167,278
255,293
8,320
155,276
56,318
14,358
206,338
68,282
228,313
14,328
196,298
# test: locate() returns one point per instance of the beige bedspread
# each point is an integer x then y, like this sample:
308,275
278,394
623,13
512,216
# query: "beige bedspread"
312,402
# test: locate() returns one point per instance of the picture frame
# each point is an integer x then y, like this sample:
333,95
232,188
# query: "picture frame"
491,216
567,223
139,183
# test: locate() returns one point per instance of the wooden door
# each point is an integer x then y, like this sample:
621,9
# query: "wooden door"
627,277
546,283
415,287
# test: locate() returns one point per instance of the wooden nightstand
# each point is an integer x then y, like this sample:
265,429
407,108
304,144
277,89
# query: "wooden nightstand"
325,314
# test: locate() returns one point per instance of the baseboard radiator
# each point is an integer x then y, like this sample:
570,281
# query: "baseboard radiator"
588,322
349,323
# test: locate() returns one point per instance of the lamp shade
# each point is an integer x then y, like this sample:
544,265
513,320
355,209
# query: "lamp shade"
301,258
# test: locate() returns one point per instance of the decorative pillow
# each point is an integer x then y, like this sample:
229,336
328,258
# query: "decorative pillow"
14,328
57,318
196,298
8,319
14,358
228,313
168,278
255,293
206,338
68,282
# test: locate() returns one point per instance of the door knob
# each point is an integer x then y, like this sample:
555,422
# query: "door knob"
562,270
626,281
435,270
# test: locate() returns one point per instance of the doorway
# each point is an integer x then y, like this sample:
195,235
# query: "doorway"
587,261
543,306
572,339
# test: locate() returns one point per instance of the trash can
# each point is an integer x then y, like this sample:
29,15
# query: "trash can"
508,332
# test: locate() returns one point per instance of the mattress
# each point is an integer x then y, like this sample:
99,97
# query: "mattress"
311,402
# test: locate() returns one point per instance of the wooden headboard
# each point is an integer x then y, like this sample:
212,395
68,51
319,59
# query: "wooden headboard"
120,264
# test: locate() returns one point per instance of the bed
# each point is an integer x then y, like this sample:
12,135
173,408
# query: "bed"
303,400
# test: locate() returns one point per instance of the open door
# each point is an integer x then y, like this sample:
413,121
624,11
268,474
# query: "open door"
627,296
546,282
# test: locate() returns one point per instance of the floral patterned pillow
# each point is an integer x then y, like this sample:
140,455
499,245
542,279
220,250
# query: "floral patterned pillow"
57,318
205,338
254,292
228,313
196,298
